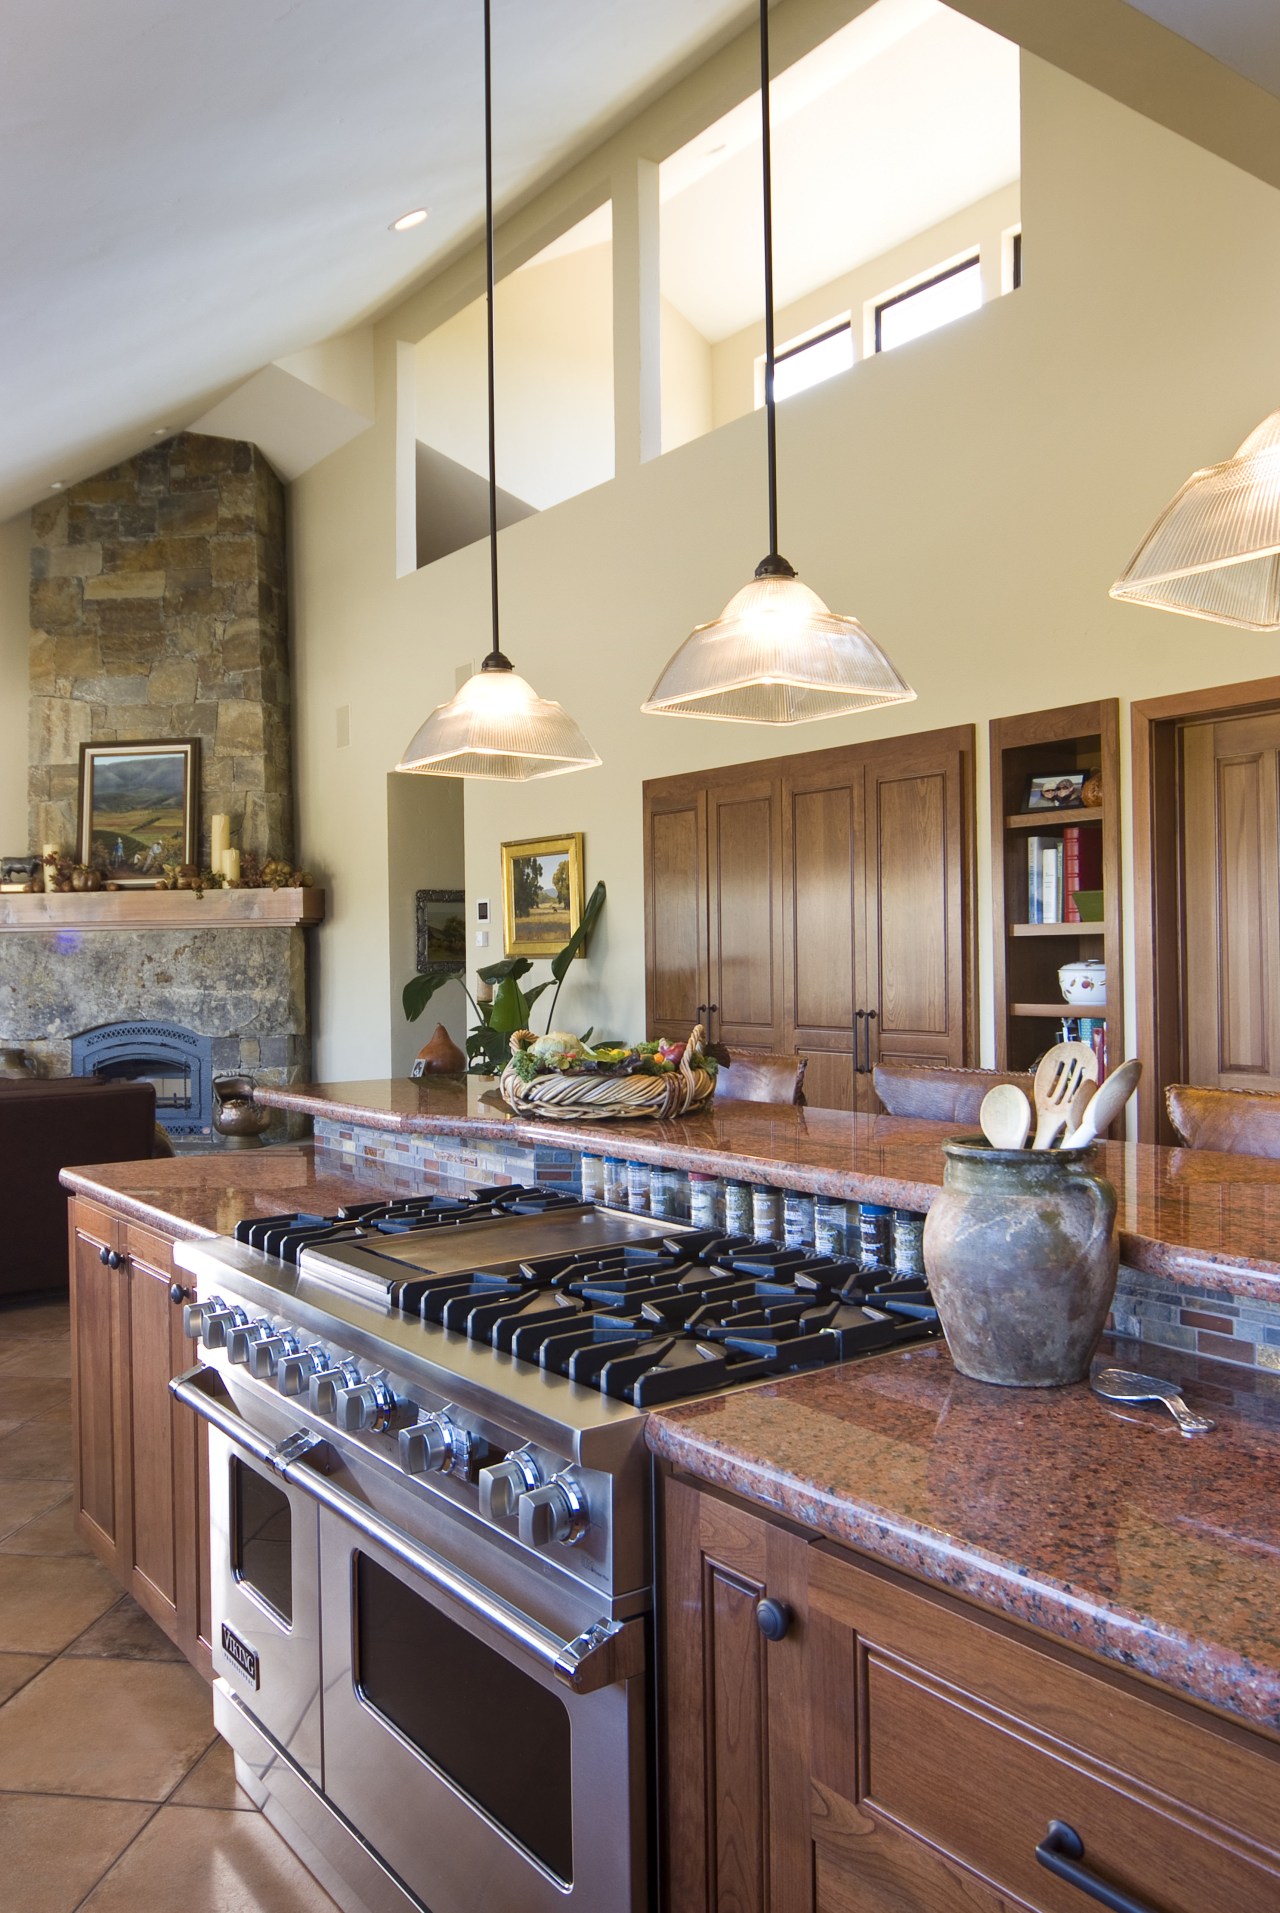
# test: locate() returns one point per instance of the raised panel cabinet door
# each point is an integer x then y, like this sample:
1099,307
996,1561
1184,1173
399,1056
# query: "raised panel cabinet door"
745,933
822,833
157,1576
101,1486
733,1712
675,911
915,990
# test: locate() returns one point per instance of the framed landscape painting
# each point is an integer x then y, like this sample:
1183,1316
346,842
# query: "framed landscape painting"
541,894
138,807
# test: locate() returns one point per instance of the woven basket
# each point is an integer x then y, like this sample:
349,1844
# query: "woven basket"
573,1098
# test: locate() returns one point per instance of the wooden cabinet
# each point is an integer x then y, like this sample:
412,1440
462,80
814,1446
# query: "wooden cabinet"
733,1749
940,1745
1028,955
139,1456
818,903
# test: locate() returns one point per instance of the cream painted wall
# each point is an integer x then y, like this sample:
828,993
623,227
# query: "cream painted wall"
424,852
553,351
970,497
686,380
978,228
15,644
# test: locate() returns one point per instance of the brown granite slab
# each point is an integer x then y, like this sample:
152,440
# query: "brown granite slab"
205,1195
1193,1217
1100,1525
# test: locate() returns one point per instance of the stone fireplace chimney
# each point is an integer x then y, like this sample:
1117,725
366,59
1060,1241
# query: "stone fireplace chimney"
158,610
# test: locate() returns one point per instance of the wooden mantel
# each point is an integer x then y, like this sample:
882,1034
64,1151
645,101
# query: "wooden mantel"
160,909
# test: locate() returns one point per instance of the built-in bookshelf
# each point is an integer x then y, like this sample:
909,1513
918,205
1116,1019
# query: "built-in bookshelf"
1037,855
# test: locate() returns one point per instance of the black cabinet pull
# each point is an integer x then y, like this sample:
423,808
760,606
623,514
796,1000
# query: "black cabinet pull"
114,1259
859,1016
773,1618
177,1293
1062,1853
700,1011
104,1256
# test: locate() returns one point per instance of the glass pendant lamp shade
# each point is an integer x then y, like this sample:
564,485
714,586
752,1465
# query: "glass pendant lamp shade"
1214,552
776,655
498,726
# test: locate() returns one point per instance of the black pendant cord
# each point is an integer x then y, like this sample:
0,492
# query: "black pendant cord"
773,566
495,660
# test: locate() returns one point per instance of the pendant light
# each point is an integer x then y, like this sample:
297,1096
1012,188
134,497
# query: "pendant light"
496,726
1214,551
776,654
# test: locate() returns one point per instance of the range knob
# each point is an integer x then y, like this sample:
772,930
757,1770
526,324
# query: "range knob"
196,1314
265,1355
242,1337
294,1371
218,1324
556,1512
504,1482
371,1405
325,1388
435,1445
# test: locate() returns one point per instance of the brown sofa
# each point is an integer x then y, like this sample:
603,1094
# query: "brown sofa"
1243,1122
941,1095
50,1125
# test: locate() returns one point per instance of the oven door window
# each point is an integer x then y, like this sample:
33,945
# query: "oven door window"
262,1539
499,1736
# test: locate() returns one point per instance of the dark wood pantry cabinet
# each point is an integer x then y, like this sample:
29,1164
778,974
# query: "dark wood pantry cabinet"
818,903
140,1461
836,1737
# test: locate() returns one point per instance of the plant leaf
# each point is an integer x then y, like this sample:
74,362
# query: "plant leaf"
531,996
509,1010
487,1051
508,966
419,990
578,941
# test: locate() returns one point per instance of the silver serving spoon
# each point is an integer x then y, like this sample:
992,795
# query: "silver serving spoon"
1005,1116
1123,1385
1105,1105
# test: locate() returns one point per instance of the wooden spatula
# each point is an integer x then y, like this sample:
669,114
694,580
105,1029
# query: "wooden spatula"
1005,1116
1059,1074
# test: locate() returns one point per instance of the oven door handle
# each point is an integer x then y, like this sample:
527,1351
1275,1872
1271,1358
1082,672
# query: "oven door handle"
603,1655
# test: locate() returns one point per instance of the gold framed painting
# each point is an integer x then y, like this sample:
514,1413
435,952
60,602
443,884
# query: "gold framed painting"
541,894
138,806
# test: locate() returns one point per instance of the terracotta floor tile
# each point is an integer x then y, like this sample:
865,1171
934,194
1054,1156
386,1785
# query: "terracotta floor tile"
212,1783
22,1396
51,1532
41,1315
208,1862
16,1670
55,1848
37,1451
123,1730
125,1633
21,1501
46,1356
46,1600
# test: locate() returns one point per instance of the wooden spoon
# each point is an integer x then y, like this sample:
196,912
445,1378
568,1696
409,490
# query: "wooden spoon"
1059,1075
1005,1116
1106,1105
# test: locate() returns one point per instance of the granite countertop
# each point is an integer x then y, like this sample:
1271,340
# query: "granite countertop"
207,1194
1102,1526
1194,1217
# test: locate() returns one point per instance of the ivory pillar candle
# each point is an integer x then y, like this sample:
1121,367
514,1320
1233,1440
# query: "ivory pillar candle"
219,839
231,866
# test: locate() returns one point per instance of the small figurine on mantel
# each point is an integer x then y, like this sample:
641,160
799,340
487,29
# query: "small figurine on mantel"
236,1117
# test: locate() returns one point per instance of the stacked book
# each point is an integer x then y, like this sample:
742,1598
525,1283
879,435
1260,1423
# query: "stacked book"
1057,867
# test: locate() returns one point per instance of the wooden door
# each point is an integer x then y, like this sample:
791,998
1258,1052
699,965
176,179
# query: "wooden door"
101,1433
1231,901
744,904
675,909
916,849
824,926
733,1711
161,1442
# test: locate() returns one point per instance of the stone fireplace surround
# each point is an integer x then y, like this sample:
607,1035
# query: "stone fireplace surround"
158,611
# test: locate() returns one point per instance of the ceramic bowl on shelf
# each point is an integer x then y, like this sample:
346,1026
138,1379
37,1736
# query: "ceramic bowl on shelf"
1083,983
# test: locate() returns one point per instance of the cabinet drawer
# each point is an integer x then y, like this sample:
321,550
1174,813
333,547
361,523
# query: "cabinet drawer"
948,1741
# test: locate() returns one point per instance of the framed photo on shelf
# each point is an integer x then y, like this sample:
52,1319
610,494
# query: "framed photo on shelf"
541,894
138,808
442,932
1057,793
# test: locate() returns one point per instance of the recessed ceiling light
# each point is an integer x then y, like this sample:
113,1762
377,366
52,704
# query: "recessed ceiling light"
407,221
162,431
58,485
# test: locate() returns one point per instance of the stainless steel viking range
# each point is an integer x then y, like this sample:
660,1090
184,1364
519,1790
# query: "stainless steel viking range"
430,1506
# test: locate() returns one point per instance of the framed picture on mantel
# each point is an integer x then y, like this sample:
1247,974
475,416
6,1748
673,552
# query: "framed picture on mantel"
138,805
541,894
